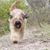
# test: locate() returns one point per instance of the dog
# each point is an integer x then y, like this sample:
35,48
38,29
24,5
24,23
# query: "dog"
17,23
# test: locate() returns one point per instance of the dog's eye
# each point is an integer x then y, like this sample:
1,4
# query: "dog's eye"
11,16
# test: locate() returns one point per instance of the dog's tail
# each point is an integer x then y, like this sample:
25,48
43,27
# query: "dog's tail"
13,6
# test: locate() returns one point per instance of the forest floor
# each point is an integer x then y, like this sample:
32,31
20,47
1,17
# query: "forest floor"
33,40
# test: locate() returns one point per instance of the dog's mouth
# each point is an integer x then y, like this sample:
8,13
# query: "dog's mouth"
18,24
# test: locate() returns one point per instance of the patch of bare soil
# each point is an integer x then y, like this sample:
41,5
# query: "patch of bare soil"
31,41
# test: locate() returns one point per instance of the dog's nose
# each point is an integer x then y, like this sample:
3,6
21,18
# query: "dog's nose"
18,24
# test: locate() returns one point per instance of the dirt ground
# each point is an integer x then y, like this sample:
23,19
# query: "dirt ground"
31,41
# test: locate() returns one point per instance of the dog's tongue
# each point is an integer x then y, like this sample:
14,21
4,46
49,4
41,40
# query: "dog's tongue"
18,26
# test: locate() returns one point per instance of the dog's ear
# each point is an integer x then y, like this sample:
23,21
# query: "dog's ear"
9,15
24,16
13,6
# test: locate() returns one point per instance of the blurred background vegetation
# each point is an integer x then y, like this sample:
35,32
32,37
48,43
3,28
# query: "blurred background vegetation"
38,11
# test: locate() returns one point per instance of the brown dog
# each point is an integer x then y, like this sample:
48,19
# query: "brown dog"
17,23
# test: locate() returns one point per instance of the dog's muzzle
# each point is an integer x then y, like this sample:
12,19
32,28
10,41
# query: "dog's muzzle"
18,24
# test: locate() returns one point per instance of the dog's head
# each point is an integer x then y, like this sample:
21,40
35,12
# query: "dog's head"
17,17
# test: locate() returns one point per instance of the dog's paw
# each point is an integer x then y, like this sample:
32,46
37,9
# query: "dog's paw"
15,42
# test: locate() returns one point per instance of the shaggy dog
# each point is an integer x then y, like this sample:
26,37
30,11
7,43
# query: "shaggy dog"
17,23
